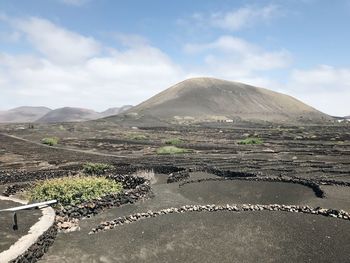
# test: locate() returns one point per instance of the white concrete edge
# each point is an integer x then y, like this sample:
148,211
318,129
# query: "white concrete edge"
25,242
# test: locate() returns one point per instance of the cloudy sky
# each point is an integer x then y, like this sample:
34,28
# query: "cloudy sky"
104,53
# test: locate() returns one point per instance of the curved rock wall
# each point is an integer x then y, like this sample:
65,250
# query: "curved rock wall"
214,208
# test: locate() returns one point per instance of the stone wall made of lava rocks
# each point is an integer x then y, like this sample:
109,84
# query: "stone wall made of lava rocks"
226,173
130,169
308,183
341,214
330,182
178,176
166,169
16,176
175,173
39,248
15,188
128,181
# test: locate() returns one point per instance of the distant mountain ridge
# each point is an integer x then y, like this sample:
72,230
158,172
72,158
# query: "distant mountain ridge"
115,110
69,114
23,114
46,115
209,99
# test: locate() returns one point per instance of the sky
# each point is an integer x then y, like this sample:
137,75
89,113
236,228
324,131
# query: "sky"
99,54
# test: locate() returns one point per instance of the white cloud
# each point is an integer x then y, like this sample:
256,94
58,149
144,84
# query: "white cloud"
71,71
75,70
325,87
244,17
234,20
100,82
56,43
322,78
234,58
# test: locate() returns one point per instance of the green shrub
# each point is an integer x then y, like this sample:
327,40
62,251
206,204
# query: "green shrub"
251,141
96,168
172,150
73,190
174,141
51,141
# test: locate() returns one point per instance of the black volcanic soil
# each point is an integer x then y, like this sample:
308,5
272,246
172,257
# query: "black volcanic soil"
215,237
246,192
309,152
312,152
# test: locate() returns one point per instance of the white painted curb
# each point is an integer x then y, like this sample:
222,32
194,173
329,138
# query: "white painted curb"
25,242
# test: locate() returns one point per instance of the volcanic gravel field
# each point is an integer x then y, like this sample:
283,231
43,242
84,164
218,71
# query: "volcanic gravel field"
285,200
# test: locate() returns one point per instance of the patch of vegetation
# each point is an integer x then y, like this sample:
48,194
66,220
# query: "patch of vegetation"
137,137
172,150
174,141
96,168
251,141
51,141
73,190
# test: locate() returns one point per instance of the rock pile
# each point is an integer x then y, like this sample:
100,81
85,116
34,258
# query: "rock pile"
66,224
214,208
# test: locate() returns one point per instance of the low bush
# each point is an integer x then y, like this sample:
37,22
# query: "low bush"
251,141
51,141
96,168
174,141
172,150
73,190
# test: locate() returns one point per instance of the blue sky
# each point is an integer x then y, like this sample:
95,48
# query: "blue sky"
104,53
